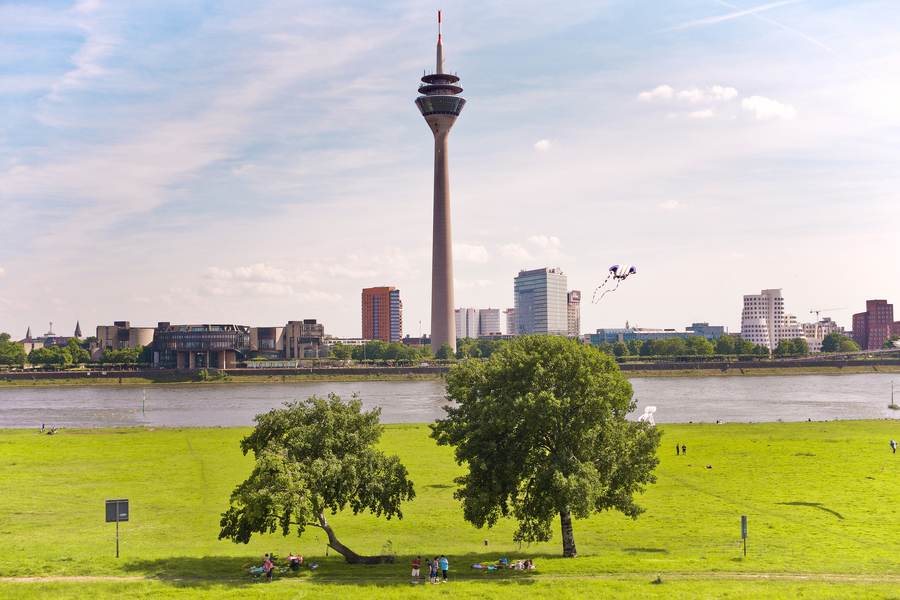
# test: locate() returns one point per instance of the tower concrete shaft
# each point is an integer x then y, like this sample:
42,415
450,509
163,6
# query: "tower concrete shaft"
441,105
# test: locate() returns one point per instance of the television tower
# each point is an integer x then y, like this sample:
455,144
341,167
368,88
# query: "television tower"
440,105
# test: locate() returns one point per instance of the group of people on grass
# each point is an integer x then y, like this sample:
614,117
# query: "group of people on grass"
437,569
293,563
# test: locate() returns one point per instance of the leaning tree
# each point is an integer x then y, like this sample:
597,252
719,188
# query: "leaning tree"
541,428
312,456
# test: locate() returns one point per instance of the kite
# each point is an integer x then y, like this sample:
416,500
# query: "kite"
617,272
648,415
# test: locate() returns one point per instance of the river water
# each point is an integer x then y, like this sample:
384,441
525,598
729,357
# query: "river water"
678,400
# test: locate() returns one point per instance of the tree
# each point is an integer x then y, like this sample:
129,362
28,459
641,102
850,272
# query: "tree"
784,348
634,347
11,353
801,347
725,345
889,343
620,349
700,345
606,348
541,428
848,345
79,354
835,342
445,352
313,456
342,352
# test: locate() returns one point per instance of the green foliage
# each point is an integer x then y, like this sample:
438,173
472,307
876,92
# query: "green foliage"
312,456
126,356
470,348
50,356
341,352
541,426
700,346
784,348
848,345
77,352
620,349
725,345
445,352
11,353
835,342
606,348
888,343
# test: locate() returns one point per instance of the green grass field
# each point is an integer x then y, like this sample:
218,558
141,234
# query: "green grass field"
820,499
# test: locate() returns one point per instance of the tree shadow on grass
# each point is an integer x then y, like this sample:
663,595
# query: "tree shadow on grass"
814,505
647,550
224,570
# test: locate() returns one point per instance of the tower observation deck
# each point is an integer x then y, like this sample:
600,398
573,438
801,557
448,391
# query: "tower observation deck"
441,104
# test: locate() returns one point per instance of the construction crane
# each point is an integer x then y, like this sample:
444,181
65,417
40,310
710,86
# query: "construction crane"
821,310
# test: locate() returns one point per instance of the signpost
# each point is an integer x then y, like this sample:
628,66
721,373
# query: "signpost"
117,510
744,532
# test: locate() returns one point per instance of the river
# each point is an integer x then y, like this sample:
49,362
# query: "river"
678,400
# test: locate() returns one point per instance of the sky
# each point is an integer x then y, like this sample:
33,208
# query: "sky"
255,163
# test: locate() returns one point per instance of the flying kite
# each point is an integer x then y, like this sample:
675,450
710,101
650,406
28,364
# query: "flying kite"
648,415
617,272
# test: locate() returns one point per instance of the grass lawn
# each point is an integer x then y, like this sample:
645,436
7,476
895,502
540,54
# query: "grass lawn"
819,497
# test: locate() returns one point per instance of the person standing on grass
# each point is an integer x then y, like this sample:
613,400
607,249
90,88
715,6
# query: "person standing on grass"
684,449
417,563
445,566
677,450
430,566
269,568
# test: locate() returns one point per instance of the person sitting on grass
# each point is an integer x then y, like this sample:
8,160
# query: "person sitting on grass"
294,561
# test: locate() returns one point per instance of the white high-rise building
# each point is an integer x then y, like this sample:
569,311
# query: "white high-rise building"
489,321
466,323
510,321
764,322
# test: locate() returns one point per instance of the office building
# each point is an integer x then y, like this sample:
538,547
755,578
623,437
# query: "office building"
873,327
489,321
466,323
382,314
573,302
510,314
200,346
541,302
710,332
440,104
121,335
764,322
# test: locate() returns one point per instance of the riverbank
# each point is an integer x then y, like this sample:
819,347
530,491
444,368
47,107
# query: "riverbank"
349,374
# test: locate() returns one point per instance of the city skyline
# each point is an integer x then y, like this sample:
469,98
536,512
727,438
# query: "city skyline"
182,164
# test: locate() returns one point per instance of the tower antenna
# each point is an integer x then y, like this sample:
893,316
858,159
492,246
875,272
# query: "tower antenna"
440,48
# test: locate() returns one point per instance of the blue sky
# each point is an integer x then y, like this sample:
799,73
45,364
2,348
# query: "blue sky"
220,162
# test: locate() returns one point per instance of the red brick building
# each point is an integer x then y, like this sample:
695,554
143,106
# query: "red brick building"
873,327
382,314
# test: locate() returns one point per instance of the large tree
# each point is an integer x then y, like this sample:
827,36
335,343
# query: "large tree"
541,427
313,456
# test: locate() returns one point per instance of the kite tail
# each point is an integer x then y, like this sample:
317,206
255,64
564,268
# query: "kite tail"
594,299
612,290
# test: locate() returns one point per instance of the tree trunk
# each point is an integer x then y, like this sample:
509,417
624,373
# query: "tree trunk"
568,536
352,557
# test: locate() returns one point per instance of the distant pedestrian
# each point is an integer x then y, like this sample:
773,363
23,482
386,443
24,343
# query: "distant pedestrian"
445,566
894,446
684,449
677,450
417,562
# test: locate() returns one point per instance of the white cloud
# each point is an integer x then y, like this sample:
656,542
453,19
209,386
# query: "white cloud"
670,205
703,113
766,108
542,145
514,251
543,241
717,92
470,253
660,92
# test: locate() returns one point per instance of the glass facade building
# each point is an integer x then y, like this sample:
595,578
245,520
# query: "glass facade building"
541,306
